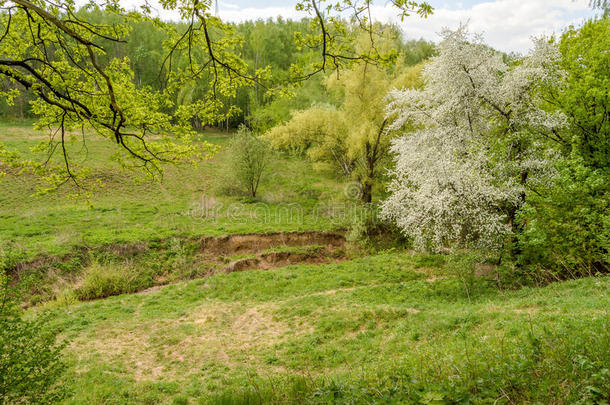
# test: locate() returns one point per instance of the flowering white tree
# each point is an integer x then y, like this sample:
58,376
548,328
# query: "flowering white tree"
482,142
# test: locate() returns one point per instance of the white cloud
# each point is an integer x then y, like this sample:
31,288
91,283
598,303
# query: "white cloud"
507,25
229,6
233,13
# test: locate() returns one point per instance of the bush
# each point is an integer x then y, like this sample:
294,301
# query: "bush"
567,227
366,231
102,281
30,356
249,156
362,225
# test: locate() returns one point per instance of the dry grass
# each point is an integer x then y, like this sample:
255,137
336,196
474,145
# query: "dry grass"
214,333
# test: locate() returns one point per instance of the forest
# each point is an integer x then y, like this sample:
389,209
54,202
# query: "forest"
300,211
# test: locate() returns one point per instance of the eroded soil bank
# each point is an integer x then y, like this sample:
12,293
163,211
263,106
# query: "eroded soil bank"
90,273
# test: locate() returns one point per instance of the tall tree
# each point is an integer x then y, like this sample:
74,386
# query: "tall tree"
368,136
585,98
603,5
482,143
353,139
567,223
59,55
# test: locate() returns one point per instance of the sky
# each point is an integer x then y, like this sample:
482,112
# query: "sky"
507,25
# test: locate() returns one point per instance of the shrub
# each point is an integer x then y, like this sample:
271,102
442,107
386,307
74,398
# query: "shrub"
249,156
362,224
367,232
30,355
65,298
567,227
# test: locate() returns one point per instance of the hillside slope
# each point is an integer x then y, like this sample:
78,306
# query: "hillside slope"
391,328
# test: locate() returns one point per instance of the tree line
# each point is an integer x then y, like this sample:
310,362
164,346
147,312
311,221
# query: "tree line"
263,44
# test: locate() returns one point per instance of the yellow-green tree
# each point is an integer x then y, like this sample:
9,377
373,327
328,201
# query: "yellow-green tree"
352,140
62,57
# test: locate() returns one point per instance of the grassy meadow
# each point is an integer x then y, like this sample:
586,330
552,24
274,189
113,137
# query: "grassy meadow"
390,328
185,203
150,316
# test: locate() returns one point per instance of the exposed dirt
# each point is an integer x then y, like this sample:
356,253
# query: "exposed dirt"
212,247
266,261
203,257
253,243
486,270
217,333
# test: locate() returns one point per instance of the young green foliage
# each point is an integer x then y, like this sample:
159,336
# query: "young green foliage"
60,56
249,157
567,223
585,99
30,355
354,139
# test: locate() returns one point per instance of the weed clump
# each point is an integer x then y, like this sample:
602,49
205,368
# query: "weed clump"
101,281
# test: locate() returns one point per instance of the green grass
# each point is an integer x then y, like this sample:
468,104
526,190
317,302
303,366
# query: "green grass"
377,327
388,328
185,203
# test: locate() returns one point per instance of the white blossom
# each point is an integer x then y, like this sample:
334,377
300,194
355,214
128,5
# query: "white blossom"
481,142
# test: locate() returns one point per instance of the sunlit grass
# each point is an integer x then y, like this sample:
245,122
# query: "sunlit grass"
394,327
378,316
183,203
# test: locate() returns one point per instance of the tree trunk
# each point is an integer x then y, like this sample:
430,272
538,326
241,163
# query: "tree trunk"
516,226
367,192
372,156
